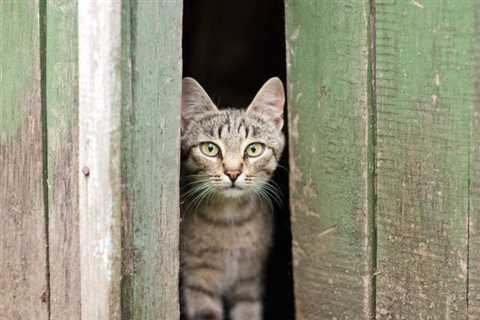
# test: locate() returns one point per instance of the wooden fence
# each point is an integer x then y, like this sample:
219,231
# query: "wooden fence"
384,131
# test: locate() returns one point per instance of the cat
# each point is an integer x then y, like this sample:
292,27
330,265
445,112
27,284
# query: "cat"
228,157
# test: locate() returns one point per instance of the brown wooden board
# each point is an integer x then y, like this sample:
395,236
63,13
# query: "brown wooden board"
23,241
62,127
424,111
152,32
330,157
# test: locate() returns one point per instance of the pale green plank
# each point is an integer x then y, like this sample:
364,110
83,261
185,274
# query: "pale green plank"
62,125
425,93
150,121
23,262
100,105
330,152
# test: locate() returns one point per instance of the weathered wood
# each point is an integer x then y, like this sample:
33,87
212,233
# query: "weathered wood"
474,214
23,241
330,153
99,157
62,128
424,103
150,163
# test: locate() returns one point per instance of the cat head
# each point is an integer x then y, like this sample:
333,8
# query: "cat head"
230,152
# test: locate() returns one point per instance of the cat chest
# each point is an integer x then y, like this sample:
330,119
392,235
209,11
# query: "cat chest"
231,267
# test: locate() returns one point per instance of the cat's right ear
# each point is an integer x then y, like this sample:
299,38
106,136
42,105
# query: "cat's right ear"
195,101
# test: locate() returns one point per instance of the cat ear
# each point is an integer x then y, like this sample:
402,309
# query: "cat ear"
195,101
270,101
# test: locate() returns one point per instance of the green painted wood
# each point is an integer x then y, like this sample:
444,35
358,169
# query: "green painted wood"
474,231
62,127
150,122
424,112
330,157
23,242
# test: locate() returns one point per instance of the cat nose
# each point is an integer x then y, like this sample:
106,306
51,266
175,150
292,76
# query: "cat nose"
233,174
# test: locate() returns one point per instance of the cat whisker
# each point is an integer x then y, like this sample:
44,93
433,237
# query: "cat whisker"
270,189
194,190
197,201
261,193
196,182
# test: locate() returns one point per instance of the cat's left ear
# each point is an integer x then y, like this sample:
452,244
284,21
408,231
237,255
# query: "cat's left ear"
270,101
195,101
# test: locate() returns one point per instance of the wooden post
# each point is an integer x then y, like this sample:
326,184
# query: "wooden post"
23,240
330,157
61,54
150,161
99,157
425,93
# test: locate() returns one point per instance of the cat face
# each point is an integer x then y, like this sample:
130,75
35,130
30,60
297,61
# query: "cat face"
231,153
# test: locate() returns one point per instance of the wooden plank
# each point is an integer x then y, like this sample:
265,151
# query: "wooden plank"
99,39
474,230
330,153
151,122
62,127
424,94
23,241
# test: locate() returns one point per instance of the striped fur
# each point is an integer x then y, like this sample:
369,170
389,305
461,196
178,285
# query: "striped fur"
226,229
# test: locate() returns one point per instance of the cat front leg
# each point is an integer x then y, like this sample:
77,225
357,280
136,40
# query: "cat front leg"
247,310
202,305
246,300
202,294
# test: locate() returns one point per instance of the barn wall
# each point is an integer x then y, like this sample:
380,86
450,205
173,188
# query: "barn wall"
330,157
384,158
425,96
152,73
384,171
23,238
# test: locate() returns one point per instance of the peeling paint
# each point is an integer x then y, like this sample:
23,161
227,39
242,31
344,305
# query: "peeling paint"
418,4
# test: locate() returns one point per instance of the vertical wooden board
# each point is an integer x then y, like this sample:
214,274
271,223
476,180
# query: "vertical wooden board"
424,107
23,241
474,230
62,127
328,87
151,122
99,40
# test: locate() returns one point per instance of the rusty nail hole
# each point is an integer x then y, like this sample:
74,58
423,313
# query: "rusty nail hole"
86,171
44,297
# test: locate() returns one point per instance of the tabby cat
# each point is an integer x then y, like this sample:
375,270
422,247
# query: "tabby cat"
228,158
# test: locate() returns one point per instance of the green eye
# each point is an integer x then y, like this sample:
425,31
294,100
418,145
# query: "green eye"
254,149
209,149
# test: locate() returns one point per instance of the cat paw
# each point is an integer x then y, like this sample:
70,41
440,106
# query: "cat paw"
207,315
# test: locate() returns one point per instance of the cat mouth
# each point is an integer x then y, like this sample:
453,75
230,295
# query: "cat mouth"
233,191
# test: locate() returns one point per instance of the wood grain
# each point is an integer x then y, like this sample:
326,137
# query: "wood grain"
23,241
424,95
150,166
62,126
99,39
330,158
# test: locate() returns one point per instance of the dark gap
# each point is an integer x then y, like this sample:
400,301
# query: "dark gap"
128,35
232,48
469,190
43,101
373,158
471,153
